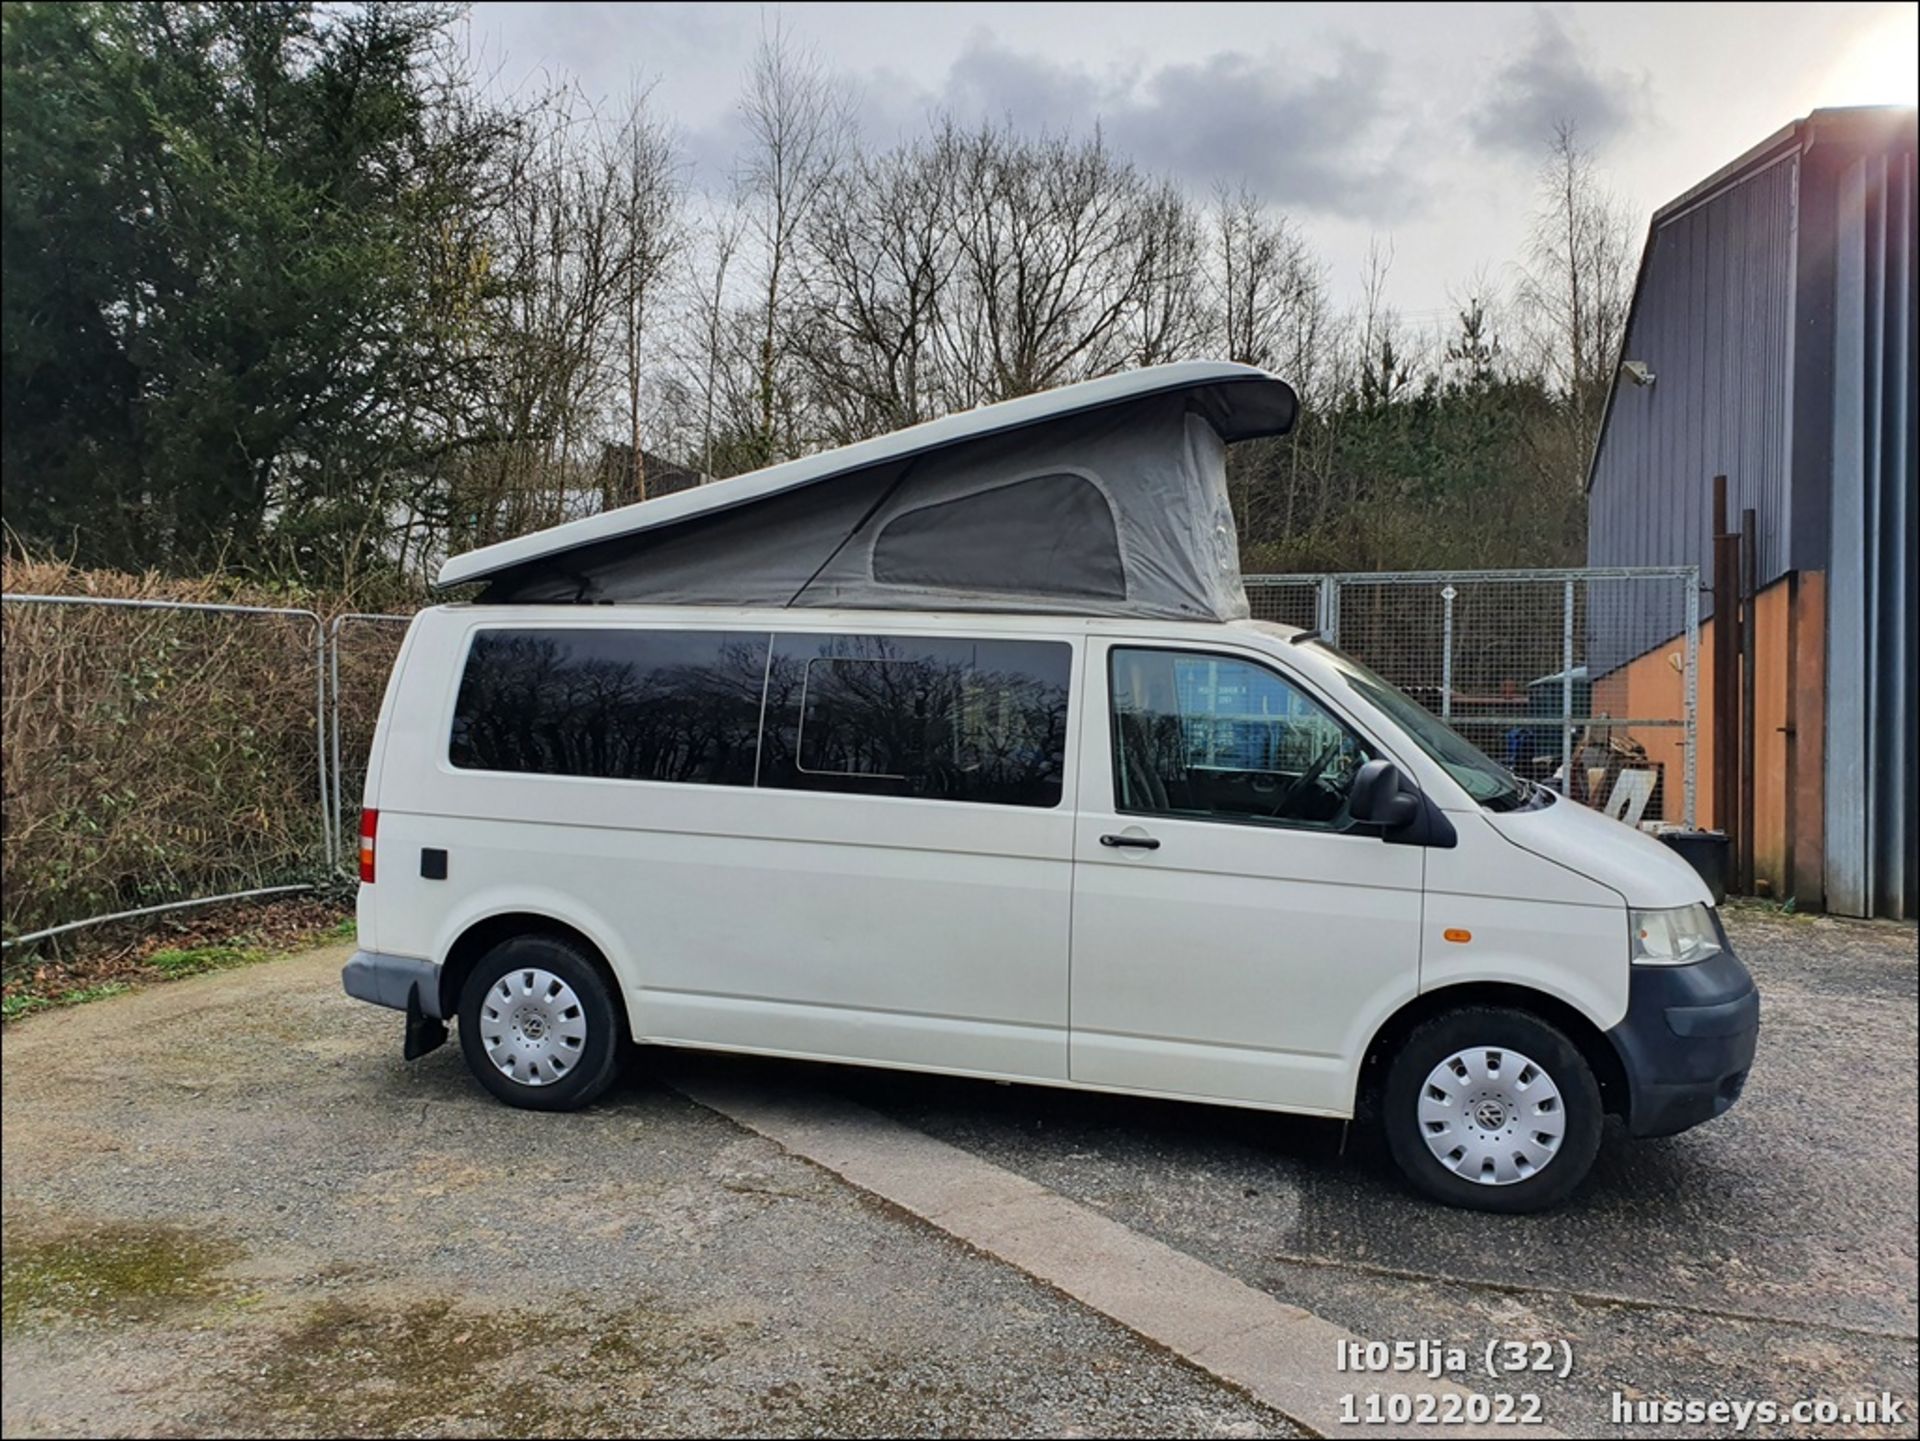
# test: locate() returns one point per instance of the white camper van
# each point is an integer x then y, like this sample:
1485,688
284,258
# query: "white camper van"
954,751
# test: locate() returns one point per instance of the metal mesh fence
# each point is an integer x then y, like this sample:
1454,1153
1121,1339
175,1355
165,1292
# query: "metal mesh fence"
1285,600
157,755
163,754
1586,679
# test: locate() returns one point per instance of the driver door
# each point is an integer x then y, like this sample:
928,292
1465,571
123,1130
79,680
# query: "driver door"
1235,935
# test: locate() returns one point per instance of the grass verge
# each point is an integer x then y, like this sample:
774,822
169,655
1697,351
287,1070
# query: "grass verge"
182,949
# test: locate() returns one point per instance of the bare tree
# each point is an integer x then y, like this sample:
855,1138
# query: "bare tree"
1166,311
560,261
1257,274
711,323
645,169
1386,362
1055,256
1577,287
881,256
800,131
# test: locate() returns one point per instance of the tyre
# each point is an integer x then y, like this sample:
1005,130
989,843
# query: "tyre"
539,1025
1493,1110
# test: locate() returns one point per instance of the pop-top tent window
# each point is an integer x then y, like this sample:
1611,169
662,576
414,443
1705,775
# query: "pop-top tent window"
1050,535
1107,498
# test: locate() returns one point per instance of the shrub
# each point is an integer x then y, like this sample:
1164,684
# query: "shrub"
156,755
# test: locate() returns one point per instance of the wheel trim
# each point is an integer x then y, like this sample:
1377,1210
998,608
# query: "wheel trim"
533,1027
1492,1115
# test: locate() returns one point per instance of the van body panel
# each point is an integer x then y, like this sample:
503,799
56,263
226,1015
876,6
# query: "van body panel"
1530,922
1240,960
1643,872
862,950
841,926
366,915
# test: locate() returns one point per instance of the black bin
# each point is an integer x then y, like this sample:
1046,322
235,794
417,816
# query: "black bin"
1706,852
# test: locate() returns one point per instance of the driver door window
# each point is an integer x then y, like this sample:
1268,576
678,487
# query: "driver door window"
1208,737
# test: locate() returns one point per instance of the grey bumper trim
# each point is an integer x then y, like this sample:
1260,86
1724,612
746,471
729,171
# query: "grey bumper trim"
388,980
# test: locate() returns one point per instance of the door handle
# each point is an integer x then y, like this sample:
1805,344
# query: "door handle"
1138,843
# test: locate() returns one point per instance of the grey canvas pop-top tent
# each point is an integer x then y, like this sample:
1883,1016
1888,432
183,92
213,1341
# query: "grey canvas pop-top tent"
1106,498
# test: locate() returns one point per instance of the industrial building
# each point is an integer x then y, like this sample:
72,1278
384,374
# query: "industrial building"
1771,341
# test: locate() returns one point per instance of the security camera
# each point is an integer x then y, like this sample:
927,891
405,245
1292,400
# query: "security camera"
1637,372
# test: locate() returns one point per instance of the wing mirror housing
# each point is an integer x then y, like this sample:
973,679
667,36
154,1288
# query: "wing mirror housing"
1379,798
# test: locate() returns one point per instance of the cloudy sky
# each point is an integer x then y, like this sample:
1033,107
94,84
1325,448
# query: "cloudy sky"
1422,124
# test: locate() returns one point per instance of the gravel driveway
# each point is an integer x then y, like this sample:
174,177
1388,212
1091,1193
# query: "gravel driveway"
230,1208
1771,1253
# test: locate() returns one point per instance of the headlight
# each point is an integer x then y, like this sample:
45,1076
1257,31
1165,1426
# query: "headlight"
1678,937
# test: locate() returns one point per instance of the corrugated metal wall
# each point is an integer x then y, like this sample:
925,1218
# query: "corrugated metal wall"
1713,322
1777,314
1870,802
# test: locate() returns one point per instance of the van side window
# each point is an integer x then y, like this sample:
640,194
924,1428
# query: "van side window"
641,705
1210,737
945,718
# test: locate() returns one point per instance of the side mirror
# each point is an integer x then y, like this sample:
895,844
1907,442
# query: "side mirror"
1378,799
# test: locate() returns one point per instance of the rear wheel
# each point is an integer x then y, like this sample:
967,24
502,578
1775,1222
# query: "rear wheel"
1492,1109
539,1025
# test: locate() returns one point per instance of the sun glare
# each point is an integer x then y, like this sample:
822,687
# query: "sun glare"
1880,66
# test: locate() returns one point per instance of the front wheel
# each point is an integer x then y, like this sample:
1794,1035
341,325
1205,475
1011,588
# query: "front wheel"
1492,1109
539,1026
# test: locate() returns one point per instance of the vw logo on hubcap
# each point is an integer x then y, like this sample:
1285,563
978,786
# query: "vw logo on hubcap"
1491,1115
533,1026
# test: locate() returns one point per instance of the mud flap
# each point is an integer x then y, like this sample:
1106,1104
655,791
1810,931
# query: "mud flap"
424,1033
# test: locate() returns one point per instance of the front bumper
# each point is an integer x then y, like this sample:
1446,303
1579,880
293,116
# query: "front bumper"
1687,1042
400,982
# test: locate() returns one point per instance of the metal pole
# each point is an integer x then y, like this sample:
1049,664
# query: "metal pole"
333,823
1690,783
150,911
1749,562
1566,695
106,600
320,736
1447,593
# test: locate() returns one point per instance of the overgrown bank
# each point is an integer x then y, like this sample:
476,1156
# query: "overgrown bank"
152,756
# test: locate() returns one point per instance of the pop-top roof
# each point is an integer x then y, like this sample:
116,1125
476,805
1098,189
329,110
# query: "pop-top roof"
1104,497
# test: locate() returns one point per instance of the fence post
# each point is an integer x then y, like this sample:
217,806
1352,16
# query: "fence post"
1691,773
320,736
1447,593
1566,695
333,821
1749,575
1328,621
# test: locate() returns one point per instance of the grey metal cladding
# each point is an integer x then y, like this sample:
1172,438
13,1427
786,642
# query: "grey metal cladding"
1871,599
1713,322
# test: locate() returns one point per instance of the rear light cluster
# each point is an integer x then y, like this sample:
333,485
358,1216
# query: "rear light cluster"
369,824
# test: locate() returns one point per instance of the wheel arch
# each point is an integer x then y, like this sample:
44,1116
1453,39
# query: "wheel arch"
1594,1047
483,935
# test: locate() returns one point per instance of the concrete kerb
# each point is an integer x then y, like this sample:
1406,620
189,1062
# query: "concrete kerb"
1281,1355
